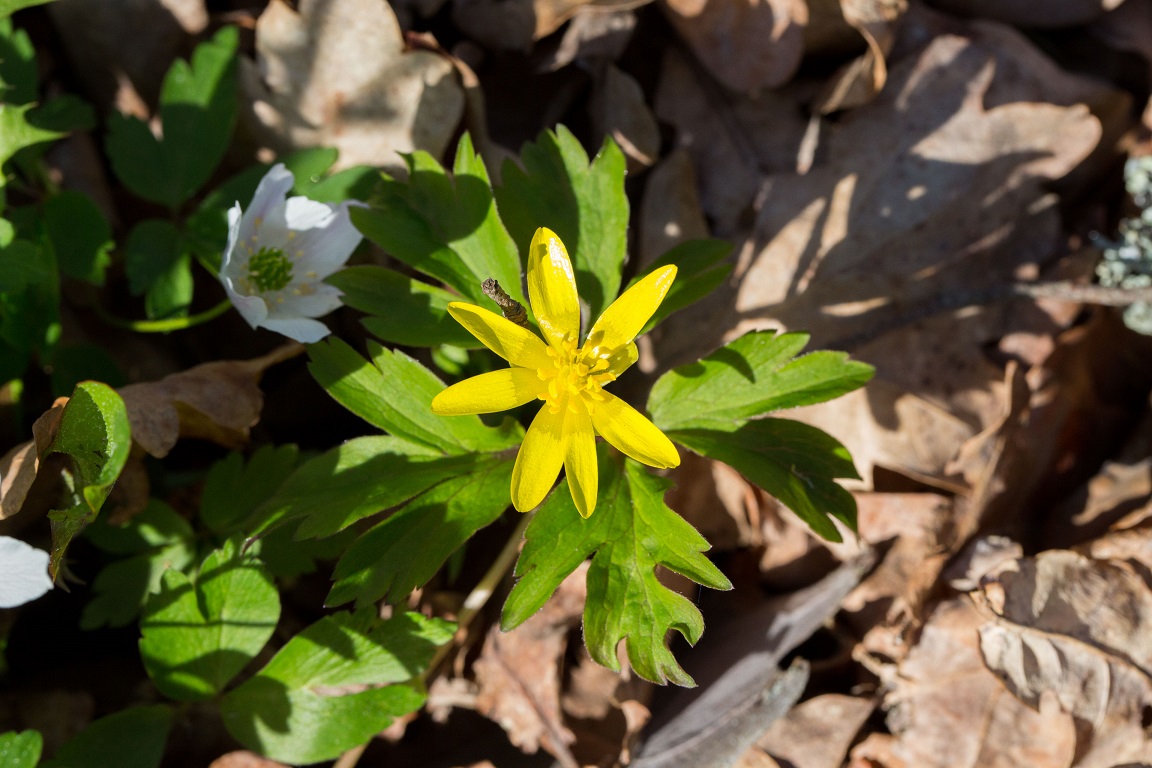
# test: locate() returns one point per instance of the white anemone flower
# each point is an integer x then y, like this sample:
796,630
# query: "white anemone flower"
279,251
23,572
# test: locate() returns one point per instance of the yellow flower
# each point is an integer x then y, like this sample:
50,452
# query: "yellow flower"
569,379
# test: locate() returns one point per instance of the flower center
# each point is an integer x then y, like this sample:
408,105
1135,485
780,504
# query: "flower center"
269,269
576,379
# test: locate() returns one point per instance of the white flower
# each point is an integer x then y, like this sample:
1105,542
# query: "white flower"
279,251
23,572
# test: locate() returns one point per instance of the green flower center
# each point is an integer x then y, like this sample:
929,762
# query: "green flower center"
577,378
269,269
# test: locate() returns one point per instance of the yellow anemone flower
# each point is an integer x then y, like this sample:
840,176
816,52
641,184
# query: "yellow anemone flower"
569,379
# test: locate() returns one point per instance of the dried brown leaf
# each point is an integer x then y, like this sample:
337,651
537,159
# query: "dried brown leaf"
518,673
1077,630
619,111
19,466
217,401
947,710
818,732
337,74
670,211
748,45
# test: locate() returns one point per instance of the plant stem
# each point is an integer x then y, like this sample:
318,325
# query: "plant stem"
166,326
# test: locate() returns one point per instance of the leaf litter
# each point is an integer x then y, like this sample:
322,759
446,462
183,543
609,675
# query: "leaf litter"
886,173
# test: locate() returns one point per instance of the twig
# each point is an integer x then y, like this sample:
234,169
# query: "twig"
512,309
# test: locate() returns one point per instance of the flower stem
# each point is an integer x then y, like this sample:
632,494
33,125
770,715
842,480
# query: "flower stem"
169,325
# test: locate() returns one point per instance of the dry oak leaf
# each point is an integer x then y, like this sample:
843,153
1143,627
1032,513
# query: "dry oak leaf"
337,74
516,24
217,401
1079,631
947,710
748,45
244,759
818,732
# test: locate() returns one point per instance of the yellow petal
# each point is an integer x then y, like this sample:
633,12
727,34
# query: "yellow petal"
552,288
626,317
580,461
622,358
515,344
489,392
539,460
630,431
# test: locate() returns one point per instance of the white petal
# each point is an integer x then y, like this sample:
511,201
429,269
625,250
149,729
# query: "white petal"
302,213
298,329
23,572
264,221
231,264
252,308
325,249
319,300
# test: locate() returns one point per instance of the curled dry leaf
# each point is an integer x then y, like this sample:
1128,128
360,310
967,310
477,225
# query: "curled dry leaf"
1077,630
858,81
19,466
516,24
336,74
748,45
217,401
593,34
937,694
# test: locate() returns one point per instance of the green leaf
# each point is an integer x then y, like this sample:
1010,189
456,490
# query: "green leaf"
199,633
16,132
8,7
753,375
354,480
65,113
80,236
20,750
356,183
631,532
395,394
22,264
403,310
405,551
319,695
94,433
445,226
583,203
700,269
159,268
307,166
235,488
791,460
197,110
18,70
132,738
156,540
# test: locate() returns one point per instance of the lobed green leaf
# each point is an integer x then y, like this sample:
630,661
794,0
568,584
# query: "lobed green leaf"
394,393
700,269
320,694
20,750
95,434
445,226
401,310
793,461
198,633
131,738
584,203
631,532
405,551
756,374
